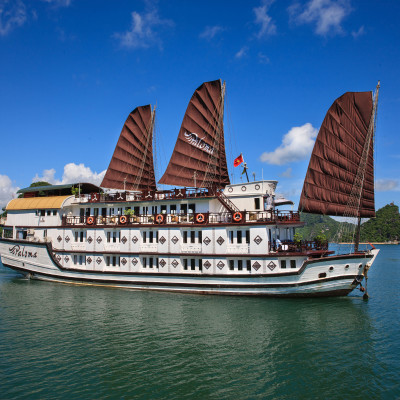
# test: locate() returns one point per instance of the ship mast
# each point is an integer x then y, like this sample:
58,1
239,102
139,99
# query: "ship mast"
355,196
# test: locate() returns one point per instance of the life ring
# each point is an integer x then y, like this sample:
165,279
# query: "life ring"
90,220
200,218
159,218
123,219
237,217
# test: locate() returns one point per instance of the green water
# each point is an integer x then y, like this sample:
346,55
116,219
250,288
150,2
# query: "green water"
76,342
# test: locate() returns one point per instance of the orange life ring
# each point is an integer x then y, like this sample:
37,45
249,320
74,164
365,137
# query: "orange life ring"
90,220
200,218
159,218
237,217
123,219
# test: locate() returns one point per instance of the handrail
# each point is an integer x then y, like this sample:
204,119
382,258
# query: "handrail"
190,218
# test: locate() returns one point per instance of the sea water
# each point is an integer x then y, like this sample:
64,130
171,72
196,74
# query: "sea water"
80,342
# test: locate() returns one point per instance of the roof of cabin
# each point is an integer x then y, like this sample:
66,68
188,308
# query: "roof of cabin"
37,203
85,188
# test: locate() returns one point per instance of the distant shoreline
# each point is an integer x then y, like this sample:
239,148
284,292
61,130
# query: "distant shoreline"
396,243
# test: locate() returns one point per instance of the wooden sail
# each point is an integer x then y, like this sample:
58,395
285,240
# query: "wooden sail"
131,166
337,171
199,159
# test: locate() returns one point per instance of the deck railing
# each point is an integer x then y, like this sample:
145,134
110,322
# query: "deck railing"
191,218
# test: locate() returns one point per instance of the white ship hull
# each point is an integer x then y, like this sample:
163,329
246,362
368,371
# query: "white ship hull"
326,276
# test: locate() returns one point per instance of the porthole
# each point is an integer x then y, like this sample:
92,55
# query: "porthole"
331,268
230,190
360,266
243,188
322,275
347,266
257,187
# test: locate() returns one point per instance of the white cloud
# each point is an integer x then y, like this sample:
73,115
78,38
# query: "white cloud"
296,145
73,173
263,59
7,190
59,3
142,33
386,185
327,15
267,25
12,15
360,32
242,52
210,31
287,173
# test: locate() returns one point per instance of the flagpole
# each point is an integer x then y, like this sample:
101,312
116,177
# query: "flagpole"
245,168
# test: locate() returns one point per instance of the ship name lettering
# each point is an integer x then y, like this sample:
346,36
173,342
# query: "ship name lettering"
21,252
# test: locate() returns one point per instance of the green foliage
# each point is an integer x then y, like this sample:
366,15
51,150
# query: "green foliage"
129,212
40,183
385,227
75,191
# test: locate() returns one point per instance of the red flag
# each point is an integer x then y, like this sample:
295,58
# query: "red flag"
238,160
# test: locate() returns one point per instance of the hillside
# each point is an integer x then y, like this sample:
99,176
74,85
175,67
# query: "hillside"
385,227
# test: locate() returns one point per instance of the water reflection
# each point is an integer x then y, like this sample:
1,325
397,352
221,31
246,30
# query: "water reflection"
88,342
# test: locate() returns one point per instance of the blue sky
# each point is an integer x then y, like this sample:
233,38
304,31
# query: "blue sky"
72,70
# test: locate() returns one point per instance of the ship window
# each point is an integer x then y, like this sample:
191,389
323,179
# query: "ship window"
144,237
114,237
185,236
54,212
136,210
183,208
144,262
156,236
247,236
75,259
257,203
82,235
145,210
200,234
240,265
185,264
239,237
157,262
150,262
87,212
283,263
200,264
82,260
230,235
231,265
96,212
154,210
151,238
119,210
292,263
192,264
112,211
42,213
322,275
115,261
248,265
192,236
76,236
163,209
108,261
172,208
192,208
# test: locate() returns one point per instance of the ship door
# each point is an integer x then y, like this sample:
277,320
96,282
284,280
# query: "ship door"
104,212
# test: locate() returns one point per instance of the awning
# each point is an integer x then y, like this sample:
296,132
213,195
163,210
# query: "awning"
37,203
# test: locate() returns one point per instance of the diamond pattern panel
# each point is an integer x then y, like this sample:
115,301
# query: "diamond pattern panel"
220,265
271,265
162,240
206,240
257,240
220,240
256,265
207,264
174,240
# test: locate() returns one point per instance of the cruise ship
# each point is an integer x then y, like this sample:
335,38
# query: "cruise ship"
205,235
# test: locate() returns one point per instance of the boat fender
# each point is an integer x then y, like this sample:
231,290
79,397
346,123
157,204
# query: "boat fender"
123,219
90,220
200,218
237,217
159,219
